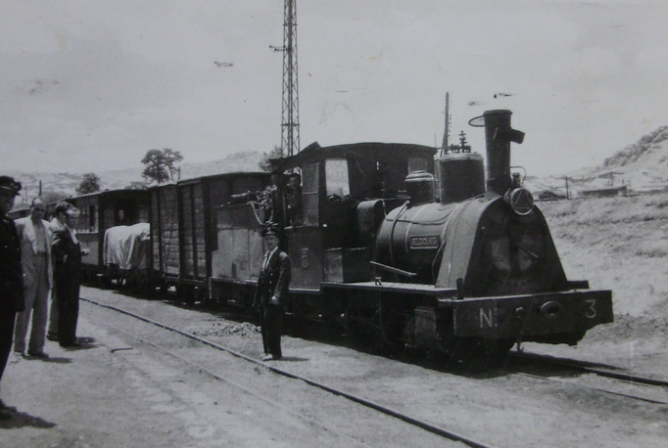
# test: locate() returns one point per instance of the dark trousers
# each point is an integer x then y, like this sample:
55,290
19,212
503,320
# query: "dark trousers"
271,320
67,298
6,336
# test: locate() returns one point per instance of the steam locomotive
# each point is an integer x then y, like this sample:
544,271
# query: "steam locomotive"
374,246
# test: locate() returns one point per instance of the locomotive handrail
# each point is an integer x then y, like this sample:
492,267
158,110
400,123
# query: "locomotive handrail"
408,288
393,270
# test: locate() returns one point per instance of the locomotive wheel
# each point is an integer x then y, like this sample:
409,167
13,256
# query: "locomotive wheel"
358,323
392,325
478,354
574,337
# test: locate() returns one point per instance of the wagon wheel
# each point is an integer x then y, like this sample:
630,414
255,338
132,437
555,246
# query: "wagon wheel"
201,294
219,296
189,295
141,282
148,283
85,277
220,302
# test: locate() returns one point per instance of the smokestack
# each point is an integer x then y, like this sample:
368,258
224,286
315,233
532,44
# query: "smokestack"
498,135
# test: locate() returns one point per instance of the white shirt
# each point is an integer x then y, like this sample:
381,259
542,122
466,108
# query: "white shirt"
267,257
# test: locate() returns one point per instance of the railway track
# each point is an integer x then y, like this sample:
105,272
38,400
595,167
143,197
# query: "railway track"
596,369
442,403
648,389
441,432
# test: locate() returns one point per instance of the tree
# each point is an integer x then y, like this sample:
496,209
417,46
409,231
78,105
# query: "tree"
49,196
89,184
160,165
136,185
265,164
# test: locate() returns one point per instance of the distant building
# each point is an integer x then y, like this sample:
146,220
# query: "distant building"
549,195
604,192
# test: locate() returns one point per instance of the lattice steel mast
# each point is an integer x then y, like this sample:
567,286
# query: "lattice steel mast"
290,122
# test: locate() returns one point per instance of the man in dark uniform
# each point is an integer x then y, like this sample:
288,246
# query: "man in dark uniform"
11,276
272,293
66,252
294,199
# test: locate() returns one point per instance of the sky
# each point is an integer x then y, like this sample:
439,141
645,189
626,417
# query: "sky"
91,85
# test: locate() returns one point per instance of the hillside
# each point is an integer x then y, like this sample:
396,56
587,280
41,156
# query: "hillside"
620,244
641,167
66,183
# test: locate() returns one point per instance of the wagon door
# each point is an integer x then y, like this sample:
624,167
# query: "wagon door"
168,231
193,231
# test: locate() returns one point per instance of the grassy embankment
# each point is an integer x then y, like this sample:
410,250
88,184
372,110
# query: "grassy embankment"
619,244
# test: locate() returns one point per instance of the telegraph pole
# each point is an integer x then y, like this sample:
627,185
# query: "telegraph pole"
290,116
446,132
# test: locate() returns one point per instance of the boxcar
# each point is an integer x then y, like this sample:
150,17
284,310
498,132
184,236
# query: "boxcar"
184,232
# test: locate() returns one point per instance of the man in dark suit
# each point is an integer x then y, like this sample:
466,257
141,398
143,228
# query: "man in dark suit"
66,252
272,293
11,276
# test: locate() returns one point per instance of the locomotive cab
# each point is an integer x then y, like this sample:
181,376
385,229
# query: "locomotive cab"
345,193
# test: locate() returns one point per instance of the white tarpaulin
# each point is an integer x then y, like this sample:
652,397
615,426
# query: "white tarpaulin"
127,246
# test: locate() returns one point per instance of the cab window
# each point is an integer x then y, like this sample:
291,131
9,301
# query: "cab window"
310,194
336,176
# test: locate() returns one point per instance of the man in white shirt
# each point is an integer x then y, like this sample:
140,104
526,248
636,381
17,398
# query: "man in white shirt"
35,236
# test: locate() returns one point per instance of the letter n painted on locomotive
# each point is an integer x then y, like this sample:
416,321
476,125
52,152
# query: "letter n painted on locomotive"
487,317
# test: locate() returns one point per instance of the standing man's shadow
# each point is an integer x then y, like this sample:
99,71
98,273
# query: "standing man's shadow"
21,420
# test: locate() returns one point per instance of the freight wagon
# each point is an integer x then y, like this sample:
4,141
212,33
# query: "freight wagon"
184,232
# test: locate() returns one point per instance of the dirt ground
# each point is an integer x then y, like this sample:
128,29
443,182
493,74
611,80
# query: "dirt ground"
111,394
